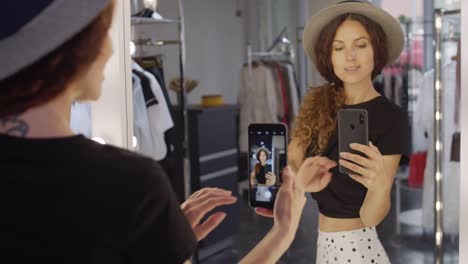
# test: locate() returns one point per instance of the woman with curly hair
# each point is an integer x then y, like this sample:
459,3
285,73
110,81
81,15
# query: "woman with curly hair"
350,43
261,174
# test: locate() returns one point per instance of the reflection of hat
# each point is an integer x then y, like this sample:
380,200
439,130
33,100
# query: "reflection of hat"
31,29
257,154
391,27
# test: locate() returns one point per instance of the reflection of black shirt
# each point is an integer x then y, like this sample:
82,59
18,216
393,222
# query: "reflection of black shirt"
261,174
388,131
72,200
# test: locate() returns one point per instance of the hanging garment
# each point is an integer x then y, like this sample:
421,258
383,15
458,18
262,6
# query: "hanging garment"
257,100
158,113
141,128
417,166
398,90
388,85
284,73
424,115
419,142
278,94
80,118
293,88
284,93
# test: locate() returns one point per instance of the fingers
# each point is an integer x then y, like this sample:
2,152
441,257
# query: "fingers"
370,152
202,230
195,213
356,159
353,167
208,190
203,195
319,161
374,148
264,212
287,180
359,179
325,179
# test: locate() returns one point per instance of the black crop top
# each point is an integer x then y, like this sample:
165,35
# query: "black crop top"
389,131
261,174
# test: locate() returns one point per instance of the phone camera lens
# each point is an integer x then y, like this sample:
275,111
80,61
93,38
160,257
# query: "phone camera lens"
361,118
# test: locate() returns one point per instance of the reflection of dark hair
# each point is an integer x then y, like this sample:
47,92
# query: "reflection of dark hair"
47,78
260,150
324,45
257,155
316,120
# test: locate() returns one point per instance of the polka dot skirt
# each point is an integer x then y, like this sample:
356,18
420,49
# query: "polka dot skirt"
356,246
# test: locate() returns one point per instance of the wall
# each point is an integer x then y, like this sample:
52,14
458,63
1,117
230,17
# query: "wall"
112,114
214,46
409,8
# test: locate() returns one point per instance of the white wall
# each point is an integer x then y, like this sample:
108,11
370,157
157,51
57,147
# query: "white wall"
409,8
214,46
463,257
110,116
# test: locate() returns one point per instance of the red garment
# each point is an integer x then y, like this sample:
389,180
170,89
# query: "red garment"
284,94
417,166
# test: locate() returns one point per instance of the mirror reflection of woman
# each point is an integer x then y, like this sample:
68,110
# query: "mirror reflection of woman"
350,43
261,174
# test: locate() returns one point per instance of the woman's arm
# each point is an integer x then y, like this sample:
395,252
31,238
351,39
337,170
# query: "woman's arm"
295,155
271,248
287,212
288,209
377,175
377,202
252,177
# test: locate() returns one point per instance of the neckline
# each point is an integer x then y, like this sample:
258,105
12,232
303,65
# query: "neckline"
364,103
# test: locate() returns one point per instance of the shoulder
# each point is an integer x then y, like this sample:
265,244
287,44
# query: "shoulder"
121,167
389,111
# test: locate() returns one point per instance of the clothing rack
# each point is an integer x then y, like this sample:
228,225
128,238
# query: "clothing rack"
265,55
439,14
151,42
182,98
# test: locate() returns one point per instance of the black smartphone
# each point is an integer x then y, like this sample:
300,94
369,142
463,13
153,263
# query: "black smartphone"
266,160
352,128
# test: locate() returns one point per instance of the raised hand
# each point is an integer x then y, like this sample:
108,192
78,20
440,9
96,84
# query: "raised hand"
200,203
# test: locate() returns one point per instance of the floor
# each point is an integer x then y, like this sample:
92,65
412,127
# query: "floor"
412,246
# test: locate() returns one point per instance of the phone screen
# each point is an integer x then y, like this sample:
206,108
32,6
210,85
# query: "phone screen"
267,159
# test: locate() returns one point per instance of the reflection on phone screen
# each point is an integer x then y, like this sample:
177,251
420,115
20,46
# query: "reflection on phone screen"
267,160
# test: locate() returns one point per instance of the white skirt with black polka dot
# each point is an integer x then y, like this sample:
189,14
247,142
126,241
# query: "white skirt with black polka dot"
356,246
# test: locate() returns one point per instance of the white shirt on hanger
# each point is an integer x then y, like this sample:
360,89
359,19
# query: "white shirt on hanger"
159,117
140,120
80,118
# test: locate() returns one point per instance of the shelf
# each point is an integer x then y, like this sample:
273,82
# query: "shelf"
145,20
151,42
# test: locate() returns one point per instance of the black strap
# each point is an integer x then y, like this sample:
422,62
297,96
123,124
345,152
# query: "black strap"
150,98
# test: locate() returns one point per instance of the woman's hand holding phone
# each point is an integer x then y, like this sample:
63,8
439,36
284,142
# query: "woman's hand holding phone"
371,169
270,179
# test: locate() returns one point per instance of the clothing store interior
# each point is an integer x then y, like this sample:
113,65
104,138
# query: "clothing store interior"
187,78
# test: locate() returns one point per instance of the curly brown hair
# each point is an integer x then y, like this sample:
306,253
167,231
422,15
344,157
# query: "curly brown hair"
257,155
47,78
316,120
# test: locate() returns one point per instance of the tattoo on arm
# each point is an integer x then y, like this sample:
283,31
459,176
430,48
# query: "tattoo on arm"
13,126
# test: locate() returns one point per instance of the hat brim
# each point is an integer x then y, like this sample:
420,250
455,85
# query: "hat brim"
391,27
56,24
